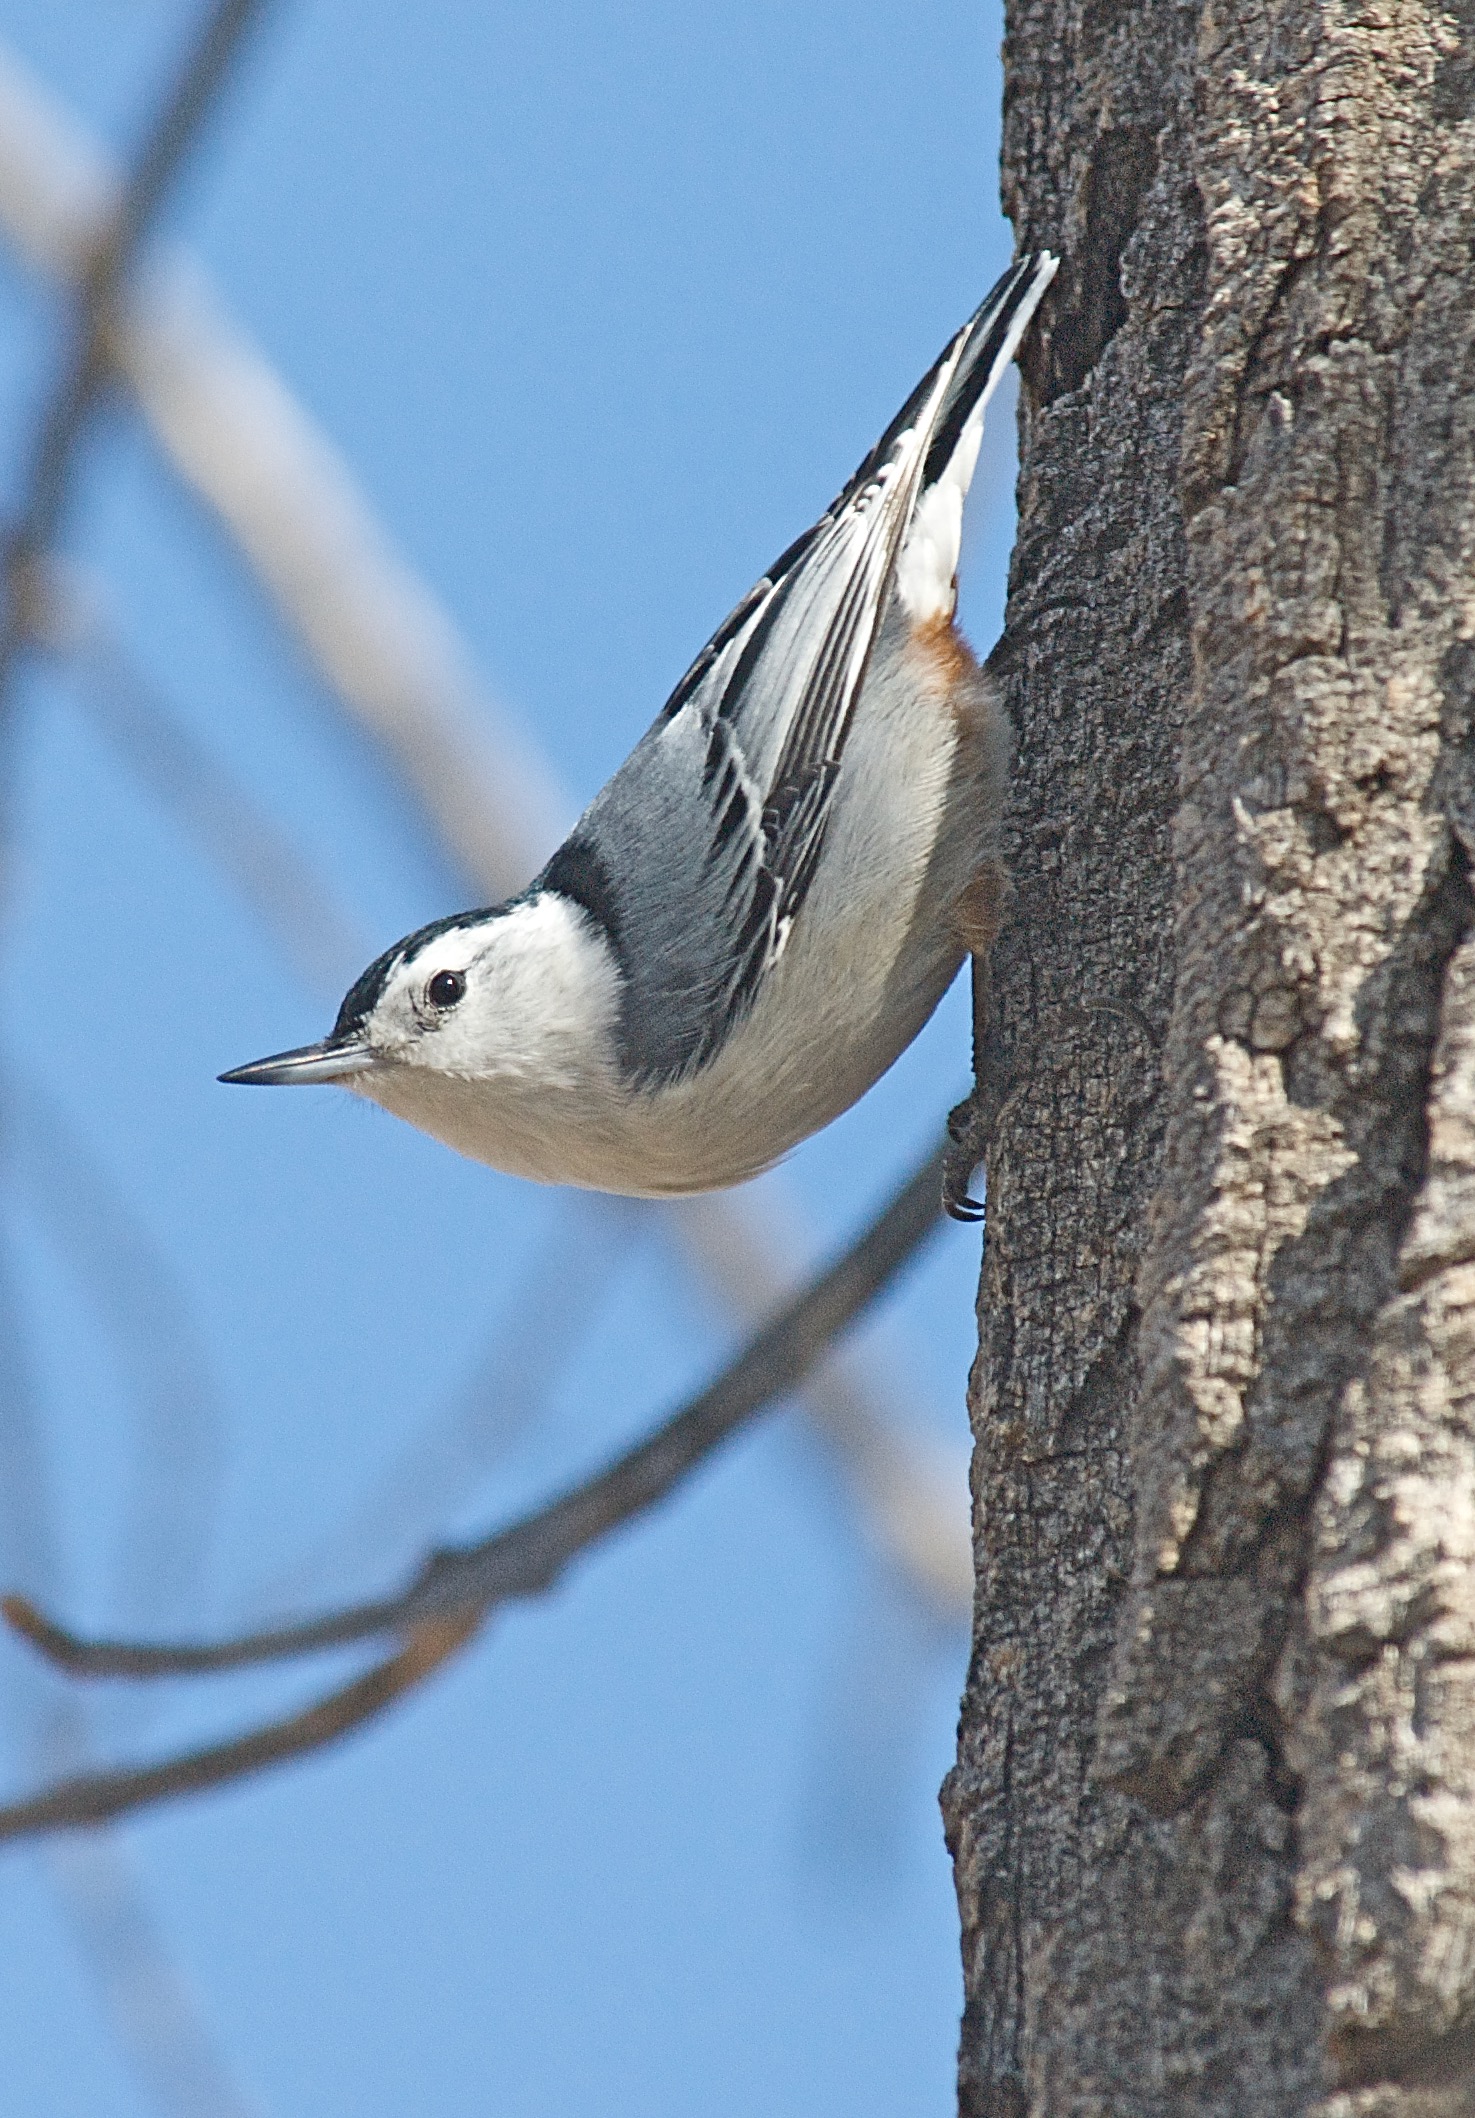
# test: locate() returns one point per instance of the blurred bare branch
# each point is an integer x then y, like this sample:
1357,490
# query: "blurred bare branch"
101,279
450,1598
395,663
95,1798
147,2001
229,827
29,1547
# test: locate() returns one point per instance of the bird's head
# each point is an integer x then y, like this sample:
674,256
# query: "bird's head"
525,991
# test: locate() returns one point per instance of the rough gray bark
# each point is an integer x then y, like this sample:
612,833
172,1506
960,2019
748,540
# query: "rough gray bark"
1213,1815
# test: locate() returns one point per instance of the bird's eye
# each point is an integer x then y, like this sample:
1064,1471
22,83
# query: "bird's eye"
446,988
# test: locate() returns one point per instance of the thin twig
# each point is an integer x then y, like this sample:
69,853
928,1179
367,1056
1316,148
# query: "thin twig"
94,1797
87,366
450,1598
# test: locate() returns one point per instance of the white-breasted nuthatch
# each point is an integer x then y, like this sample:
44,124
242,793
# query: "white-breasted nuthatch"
768,900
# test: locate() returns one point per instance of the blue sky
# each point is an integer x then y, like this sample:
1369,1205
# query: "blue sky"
602,303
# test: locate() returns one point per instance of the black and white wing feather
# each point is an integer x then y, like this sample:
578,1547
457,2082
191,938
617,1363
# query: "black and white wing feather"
696,858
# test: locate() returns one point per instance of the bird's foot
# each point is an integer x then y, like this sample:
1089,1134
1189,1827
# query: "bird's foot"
969,1125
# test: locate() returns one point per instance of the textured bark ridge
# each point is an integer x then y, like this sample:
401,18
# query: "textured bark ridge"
1214,1810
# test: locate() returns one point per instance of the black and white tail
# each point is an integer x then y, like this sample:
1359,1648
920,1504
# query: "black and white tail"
926,570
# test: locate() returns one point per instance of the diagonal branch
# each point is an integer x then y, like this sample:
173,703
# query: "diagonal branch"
449,1599
89,361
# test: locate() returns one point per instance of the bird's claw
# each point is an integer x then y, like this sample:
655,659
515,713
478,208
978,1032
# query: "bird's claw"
967,1136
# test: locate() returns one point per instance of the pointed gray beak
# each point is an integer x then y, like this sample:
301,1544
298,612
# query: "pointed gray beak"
311,1062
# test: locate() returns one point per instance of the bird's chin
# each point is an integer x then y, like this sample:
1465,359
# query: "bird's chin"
423,1098
471,1115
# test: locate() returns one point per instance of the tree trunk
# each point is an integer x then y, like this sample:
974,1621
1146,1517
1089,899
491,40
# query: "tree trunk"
1213,1816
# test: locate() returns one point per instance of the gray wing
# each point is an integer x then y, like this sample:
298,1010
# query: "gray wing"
696,858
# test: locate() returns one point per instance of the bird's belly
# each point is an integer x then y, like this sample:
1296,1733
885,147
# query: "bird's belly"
789,1071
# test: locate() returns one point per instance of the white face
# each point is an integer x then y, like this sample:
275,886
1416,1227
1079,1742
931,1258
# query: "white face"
531,993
